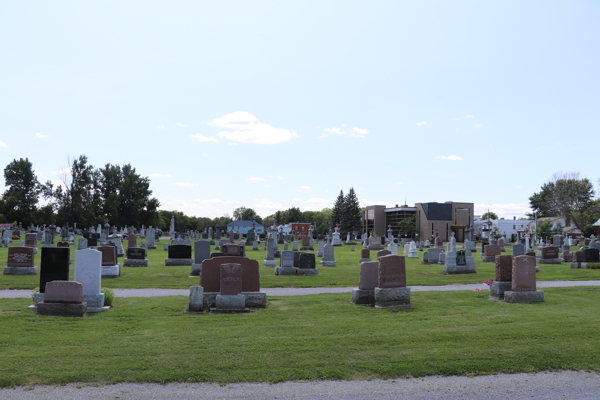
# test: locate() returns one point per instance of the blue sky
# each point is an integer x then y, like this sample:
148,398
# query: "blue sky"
272,105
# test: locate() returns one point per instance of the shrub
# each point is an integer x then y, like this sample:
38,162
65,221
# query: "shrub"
109,296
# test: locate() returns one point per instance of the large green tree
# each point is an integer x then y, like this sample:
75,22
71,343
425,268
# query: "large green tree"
338,210
351,215
21,198
489,215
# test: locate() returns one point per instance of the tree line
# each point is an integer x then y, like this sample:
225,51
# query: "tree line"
88,196
569,196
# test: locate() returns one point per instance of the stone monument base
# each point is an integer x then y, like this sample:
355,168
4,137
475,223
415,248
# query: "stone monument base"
152,247
305,248
327,263
130,262
363,297
524,297
285,271
307,271
252,299
392,297
548,261
376,247
488,259
94,300
177,262
196,269
498,288
20,271
270,263
459,269
365,259
62,309
111,271
230,304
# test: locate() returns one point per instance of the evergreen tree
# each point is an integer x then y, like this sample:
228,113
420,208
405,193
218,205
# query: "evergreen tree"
350,219
338,210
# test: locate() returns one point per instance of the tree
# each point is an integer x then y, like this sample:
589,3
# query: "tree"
294,215
21,198
408,226
539,202
338,209
489,215
238,212
135,205
351,215
543,229
495,233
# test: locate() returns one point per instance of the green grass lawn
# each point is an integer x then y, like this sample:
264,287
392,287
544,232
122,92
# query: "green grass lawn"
346,274
301,338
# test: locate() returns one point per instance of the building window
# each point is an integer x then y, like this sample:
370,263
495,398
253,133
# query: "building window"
514,227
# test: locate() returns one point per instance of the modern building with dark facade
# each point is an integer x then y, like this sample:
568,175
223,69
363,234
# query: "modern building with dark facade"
378,218
445,218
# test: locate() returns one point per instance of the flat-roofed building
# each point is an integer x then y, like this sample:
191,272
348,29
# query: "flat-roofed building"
377,218
445,218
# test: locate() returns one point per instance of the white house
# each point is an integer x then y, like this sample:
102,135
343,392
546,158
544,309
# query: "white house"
506,227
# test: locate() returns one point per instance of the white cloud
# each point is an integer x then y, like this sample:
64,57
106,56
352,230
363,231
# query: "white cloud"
504,210
397,183
39,174
210,208
279,177
304,188
185,184
477,126
421,124
468,116
365,202
204,154
518,187
179,124
233,144
255,179
354,132
451,157
201,138
244,127
161,127
157,175
3,144
39,135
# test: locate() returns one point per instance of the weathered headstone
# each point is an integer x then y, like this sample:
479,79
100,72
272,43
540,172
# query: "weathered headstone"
369,279
328,259
63,298
523,282
365,255
503,281
88,272
490,252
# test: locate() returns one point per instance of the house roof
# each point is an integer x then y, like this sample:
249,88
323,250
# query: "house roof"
597,223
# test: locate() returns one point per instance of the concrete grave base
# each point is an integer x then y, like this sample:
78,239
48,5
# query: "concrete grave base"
365,259
252,299
375,247
327,263
363,297
548,261
178,262
498,288
585,264
151,247
229,304
392,297
62,309
129,262
195,300
307,271
459,269
20,271
196,269
523,297
111,271
94,300
304,248
285,271
270,263
489,259
255,299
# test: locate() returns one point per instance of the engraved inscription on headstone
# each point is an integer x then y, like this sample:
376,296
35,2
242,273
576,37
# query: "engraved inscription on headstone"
231,279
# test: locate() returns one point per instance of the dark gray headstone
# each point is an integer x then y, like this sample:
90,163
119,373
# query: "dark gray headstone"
136,253
180,251
54,265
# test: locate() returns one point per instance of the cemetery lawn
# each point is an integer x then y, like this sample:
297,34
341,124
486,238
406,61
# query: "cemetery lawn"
345,274
313,337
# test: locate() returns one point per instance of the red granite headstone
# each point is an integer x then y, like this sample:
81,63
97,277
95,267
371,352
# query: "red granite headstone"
20,256
382,253
523,274
492,250
210,273
365,253
549,252
504,266
391,272
63,292
231,279
369,271
109,255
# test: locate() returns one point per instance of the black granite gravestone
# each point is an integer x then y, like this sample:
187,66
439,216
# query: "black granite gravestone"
306,260
92,242
180,251
461,258
136,253
54,265
591,255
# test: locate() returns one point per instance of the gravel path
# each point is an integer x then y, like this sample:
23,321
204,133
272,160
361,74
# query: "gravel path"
545,385
15,294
